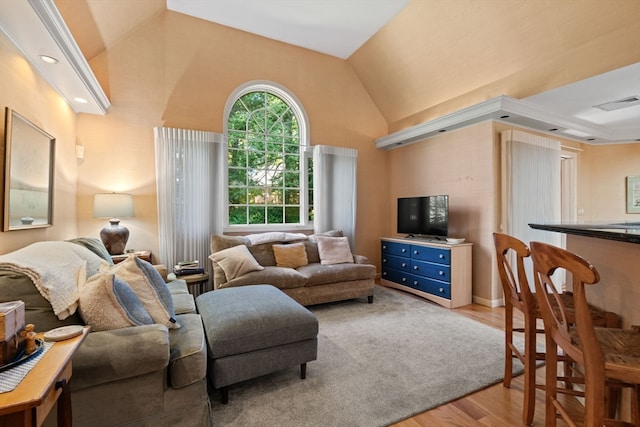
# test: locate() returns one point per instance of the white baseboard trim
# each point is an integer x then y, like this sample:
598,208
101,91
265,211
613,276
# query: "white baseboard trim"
488,302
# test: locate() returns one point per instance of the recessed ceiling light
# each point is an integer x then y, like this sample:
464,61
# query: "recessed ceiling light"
553,129
80,100
629,101
442,130
49,59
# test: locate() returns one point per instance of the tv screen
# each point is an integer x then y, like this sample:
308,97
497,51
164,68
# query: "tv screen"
424,216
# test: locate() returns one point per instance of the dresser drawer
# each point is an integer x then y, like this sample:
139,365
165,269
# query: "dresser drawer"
397,276
429,269
396,262
395,248
441,256
434,287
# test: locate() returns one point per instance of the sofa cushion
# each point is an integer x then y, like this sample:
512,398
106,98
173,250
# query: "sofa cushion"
107,302
188,357
318,274
235,261
109,356
245,319
291,255
149,286
334,250
183,303
280,277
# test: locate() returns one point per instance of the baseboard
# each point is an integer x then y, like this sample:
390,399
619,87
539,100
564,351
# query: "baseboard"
488,302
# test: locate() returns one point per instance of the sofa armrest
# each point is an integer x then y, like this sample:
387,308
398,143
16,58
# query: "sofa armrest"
219,278
107,356
360,259
163,270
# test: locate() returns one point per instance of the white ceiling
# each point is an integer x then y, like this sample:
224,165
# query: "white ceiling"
335,27
338,28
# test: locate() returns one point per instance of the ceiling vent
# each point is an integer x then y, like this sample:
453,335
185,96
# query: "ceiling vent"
629,101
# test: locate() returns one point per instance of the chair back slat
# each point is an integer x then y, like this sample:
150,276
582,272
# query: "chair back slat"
514,284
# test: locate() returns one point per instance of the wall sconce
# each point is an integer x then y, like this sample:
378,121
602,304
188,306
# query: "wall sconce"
114,206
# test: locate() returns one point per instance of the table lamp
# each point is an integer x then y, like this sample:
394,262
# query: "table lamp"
114,206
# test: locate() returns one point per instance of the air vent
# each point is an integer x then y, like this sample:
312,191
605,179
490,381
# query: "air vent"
629,101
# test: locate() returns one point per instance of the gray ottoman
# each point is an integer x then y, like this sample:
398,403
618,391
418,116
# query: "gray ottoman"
252,331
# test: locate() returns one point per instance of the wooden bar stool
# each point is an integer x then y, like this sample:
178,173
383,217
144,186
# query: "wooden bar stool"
608,357
518,295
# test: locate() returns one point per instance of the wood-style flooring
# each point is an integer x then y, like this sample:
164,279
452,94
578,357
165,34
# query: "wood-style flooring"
494,406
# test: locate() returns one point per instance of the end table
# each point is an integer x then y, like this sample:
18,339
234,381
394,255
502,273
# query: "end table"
47,383
196,282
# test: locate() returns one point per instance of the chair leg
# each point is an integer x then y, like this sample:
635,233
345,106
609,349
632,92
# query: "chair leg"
508,342
530,352
370,299
551,378
303,371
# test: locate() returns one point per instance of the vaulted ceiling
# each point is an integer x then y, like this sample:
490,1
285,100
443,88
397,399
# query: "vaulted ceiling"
418,58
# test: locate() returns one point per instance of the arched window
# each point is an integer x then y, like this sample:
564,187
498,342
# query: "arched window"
269,183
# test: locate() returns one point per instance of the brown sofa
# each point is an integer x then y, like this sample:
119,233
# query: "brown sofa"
313,283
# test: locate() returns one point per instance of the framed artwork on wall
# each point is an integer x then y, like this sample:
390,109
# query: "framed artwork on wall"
633,194
28,174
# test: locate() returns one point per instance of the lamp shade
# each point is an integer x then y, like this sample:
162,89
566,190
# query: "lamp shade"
113,205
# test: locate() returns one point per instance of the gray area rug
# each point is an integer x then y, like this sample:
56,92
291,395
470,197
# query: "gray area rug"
377,364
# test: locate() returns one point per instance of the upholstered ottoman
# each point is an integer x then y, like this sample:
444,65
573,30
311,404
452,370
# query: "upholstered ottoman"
252,331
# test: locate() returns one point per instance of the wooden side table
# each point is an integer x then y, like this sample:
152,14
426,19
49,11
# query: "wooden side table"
46,384
196,282
145,255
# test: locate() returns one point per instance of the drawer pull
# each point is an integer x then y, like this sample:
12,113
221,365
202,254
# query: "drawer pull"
441,256
415,283
384,246
441,273
404,250
384,260
61,383
384,273
415,267
441,290
404,264
415,252
404,279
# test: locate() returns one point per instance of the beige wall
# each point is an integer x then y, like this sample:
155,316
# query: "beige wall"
436,57
177,71
23,90
461,164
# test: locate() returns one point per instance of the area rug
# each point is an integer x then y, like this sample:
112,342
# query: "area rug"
377,364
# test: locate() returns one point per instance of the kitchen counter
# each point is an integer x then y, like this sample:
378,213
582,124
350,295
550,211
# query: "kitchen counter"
615,230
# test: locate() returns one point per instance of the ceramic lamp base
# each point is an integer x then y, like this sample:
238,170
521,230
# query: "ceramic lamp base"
114,236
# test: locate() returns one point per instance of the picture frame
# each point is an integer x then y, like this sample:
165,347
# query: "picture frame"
29,160
633,194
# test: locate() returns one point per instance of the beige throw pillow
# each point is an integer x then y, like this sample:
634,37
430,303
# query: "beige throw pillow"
107,303
236,261
334,250
150,288
292,255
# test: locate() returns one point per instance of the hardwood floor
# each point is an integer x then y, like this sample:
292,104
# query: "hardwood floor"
493,406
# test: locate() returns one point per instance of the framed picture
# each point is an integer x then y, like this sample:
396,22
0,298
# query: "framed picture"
28,179
633,194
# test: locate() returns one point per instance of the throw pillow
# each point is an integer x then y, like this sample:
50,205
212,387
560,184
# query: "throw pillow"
95,245
107,302
292,255
149,286
236,261
334,250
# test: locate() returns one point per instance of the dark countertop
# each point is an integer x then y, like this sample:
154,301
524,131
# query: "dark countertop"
615,230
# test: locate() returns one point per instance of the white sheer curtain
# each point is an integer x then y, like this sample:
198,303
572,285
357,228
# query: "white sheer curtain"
531,187
190,173
334,189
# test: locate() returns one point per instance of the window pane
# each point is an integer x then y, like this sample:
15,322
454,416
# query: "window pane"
237,176
256,215
274,215
292,180
237,215
292,215
238,196
256,196
292,197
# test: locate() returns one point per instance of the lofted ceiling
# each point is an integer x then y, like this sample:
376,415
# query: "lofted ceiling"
333,27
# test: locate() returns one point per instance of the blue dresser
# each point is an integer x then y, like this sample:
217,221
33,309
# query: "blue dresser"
437,271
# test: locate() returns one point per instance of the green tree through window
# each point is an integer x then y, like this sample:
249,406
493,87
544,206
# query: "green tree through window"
266,162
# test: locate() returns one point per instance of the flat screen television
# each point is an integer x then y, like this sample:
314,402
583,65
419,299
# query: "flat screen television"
426,216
